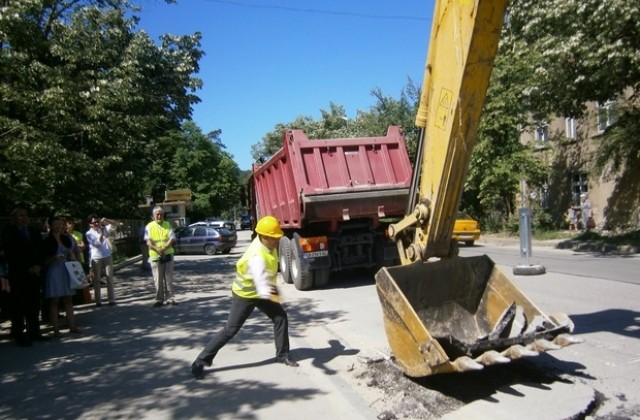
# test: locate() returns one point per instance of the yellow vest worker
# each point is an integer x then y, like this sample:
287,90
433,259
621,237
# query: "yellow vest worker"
160,238
254,286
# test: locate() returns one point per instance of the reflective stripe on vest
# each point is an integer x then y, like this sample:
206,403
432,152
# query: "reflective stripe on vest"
243,285
159,235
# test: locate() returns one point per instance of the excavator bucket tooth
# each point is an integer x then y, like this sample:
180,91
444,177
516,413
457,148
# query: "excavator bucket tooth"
465,364
492,357
543,345
564,340
518,351
438,312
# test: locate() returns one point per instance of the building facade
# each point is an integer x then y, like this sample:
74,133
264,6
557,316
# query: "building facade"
568,147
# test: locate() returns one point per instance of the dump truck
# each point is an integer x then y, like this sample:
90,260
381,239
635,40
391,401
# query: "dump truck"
444,313
334,199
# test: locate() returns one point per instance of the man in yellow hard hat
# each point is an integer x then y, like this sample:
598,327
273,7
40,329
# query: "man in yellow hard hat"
254,286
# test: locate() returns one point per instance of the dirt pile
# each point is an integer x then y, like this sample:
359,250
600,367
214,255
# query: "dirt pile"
401,397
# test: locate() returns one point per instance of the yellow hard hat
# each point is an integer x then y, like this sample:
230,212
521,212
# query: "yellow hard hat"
269,226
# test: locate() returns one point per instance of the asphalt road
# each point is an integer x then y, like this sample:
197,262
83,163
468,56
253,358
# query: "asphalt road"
133,360
610,266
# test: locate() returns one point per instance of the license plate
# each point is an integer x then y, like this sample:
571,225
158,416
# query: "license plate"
316,254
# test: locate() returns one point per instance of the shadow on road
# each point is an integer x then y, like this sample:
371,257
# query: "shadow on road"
132,360
617,321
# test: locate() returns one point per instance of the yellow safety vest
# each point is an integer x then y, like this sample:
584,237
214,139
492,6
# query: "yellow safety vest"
243,285
159,236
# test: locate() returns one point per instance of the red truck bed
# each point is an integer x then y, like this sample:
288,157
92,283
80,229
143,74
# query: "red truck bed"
334,180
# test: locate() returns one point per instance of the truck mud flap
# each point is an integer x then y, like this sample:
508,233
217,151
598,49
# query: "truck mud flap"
461,314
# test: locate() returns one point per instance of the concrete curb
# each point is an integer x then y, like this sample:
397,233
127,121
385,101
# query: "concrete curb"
565,244
605,248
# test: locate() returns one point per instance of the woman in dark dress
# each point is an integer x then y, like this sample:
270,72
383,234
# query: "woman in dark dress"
58,248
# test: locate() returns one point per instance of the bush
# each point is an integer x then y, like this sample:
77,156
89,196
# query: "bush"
542,221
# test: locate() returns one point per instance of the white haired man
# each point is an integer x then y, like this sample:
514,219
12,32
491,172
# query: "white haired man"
160,238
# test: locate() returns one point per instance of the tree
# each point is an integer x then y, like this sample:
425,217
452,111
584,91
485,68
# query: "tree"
499,161
83,93
187,158
578,52
390,111
335,124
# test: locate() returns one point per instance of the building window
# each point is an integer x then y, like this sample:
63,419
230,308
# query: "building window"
606,115
570,128
579,185
542,132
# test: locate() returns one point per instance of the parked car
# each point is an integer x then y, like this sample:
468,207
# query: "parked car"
245,221
225,224
466,229
216,223
199,239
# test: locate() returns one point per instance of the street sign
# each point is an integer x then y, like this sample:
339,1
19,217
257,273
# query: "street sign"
177,195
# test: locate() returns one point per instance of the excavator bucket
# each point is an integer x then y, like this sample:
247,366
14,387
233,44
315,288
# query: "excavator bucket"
461,314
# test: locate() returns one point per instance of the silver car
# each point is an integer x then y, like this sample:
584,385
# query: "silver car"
198,239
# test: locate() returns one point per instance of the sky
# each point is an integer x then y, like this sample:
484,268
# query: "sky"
269,61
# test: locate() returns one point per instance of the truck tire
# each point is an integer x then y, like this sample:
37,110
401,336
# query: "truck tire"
302,278
321,277
284,255
210,249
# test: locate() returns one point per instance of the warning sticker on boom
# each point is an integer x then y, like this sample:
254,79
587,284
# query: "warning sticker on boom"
444,107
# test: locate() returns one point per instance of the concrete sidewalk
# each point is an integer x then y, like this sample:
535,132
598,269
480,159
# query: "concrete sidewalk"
133,360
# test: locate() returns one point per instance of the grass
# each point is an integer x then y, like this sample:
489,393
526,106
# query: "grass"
548,235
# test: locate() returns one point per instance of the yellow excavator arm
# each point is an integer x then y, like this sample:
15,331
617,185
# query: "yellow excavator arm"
455,314
464,41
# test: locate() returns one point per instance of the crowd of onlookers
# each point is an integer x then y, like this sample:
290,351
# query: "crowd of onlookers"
34,279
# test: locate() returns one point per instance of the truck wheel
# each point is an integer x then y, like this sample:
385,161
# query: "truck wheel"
284,255
210,249
321,277
469,243
302,279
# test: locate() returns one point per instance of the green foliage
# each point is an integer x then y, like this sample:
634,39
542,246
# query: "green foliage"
578,51
187,158
335,124
542,221
499,161
82,96
620,144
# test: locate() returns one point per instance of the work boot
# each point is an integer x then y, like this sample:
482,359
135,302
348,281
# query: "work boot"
197,370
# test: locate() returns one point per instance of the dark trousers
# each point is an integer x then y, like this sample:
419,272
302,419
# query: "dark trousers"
241,309
25,306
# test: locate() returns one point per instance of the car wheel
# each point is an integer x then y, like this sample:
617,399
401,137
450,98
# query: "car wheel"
210,249
469,243
302,278
284,256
